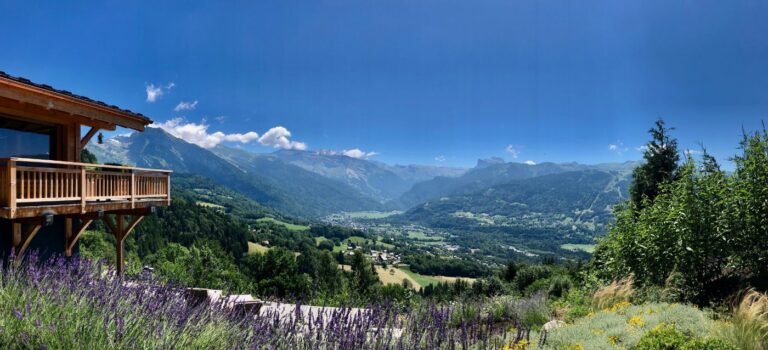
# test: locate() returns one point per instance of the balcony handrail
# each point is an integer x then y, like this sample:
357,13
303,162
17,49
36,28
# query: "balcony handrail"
23,183
104,166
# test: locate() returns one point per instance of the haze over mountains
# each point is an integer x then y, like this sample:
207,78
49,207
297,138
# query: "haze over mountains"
313,184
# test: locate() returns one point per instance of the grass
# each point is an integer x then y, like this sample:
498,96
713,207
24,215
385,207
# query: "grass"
421,236
749,325
421,280
371,214
210,205
614,293
589,248
392,275
256,248
289,226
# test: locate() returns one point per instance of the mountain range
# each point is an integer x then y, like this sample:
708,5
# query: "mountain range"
313,184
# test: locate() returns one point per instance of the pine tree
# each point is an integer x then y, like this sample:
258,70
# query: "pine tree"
661,158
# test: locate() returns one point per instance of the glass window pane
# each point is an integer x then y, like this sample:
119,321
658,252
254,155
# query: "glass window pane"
14,143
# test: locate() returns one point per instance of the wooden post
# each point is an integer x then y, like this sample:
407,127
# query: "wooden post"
12,183
168,188
67,236
82,190
119,236
120,229
133,190
16,235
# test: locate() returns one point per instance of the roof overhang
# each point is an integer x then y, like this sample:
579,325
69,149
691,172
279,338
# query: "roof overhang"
23,98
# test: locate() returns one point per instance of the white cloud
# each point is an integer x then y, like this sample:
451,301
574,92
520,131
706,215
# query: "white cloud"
513,151
185,106
642,148
529,162
618,147
199,135
154,92
279,137
358,153
220,119
440,158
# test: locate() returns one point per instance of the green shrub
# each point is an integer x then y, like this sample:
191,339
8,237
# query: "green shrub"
559,285
662,337
537,285
529,274
708,344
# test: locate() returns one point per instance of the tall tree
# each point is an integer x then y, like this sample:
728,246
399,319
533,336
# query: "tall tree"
363,274
661,158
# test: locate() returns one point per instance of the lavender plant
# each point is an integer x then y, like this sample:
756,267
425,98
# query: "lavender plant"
76,303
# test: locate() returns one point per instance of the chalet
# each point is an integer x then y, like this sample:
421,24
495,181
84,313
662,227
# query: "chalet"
47,196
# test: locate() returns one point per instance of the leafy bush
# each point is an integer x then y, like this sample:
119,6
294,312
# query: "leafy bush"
697,232
559,285
708,344
529,274
662,337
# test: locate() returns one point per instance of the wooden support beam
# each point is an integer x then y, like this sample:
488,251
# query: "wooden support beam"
72,239
120,236
121,229
21,239
88,136
132,224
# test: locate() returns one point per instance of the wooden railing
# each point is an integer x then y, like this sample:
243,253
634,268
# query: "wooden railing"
25,181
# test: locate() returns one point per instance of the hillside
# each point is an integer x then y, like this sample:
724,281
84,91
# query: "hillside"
375,179
273,183
493,172
578,201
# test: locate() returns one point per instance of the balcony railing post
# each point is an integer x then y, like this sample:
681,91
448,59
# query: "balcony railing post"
168,189
133,190
12,184
82,189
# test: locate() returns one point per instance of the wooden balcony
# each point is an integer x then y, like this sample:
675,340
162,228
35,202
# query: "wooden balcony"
33,188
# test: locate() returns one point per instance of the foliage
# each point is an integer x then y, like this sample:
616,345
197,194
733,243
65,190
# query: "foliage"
529,274
662,337
661,157
432,265
559,285
703,237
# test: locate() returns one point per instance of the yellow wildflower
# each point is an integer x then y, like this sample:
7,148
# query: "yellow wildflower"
636,321
577,346
613,339
620,306
521,345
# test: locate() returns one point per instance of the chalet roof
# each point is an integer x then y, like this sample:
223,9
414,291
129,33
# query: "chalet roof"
117,115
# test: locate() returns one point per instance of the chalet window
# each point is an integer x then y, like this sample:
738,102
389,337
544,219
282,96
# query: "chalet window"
23,139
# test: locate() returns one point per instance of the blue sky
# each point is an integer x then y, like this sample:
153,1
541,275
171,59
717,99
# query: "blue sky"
428,82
